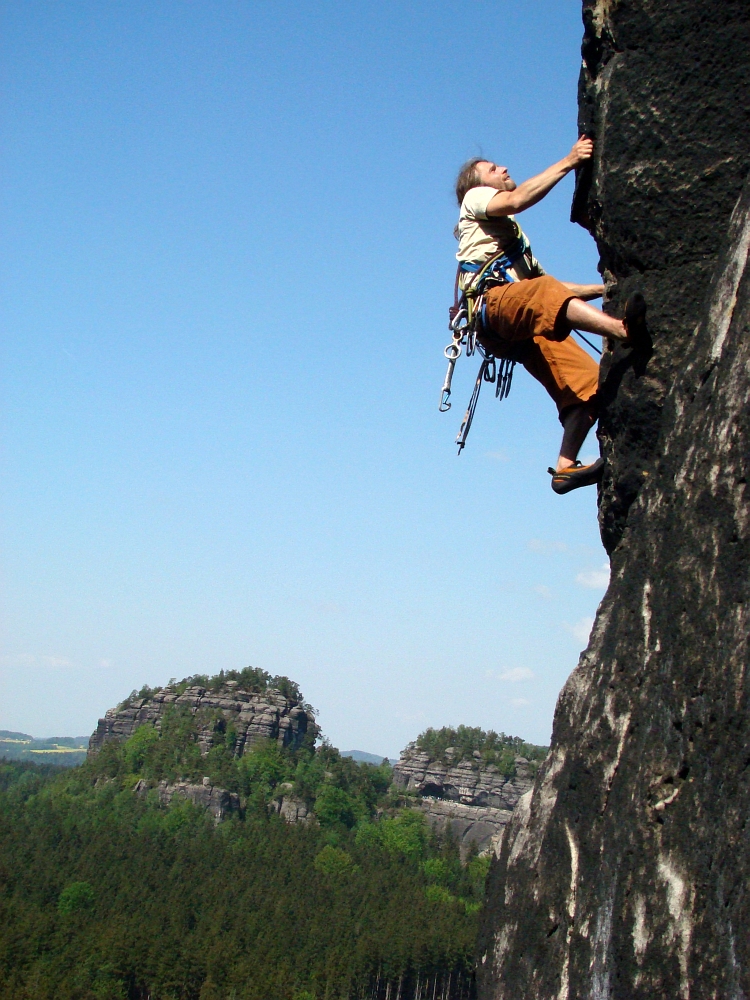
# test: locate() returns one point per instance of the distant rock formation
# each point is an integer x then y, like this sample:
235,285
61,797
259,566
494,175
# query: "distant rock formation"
254,716
219,802
290,808
624,874
472,800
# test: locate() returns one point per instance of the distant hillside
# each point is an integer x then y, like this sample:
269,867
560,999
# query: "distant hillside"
67,751
362,757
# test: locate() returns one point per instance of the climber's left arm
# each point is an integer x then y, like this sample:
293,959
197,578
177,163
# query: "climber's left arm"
585,292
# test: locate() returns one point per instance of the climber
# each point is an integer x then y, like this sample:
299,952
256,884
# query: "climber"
528,314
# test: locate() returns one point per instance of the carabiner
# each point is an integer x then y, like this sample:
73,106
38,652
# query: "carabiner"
453,351
455,321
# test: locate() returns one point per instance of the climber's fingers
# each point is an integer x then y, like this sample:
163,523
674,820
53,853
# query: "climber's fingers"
583,150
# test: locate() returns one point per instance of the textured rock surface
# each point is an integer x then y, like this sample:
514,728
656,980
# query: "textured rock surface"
219,802
294,810
254,716
473,801
624,874
664,92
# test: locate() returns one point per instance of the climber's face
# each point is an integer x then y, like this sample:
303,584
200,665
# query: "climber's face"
491,175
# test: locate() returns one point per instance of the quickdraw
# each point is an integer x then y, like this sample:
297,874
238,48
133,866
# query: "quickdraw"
465,320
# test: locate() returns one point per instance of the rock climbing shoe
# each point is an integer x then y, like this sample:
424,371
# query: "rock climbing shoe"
635,322
576,475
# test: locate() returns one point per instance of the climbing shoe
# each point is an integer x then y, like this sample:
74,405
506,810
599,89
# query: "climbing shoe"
576,475
635,322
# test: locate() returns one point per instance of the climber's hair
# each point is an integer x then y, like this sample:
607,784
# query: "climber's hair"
467,178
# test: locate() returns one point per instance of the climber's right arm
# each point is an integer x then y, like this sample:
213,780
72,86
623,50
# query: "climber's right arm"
535,188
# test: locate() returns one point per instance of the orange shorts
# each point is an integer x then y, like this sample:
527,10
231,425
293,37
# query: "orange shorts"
534,311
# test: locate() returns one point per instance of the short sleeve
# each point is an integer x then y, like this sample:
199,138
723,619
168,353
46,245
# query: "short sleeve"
474,205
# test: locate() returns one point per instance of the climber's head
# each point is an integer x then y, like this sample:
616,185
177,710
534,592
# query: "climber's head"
491,175
479,173
467,179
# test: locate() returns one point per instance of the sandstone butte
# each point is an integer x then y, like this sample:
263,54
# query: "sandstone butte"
253,715
623,873
468,799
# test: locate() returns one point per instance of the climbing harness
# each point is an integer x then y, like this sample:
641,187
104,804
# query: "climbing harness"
467,318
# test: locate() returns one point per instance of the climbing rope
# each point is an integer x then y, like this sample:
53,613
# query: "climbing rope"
587,341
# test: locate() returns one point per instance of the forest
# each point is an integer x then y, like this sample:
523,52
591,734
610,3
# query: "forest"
106,894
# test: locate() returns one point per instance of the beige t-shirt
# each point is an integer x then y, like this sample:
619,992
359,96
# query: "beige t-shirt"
479,237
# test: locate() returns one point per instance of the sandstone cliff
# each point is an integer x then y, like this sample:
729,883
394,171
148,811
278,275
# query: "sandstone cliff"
219,802
624,873
471,800
253,715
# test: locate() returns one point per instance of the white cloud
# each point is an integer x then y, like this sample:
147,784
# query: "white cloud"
543,590
581,630
516,674
539,545
31,660
520,702
596,579
56,661
499,456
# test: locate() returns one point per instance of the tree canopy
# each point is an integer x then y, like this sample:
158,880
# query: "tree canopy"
106,894
465,742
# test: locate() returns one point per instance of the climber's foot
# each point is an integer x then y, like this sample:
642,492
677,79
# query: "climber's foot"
635,322
576,475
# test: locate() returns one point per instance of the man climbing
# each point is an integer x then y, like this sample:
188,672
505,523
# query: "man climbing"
528,315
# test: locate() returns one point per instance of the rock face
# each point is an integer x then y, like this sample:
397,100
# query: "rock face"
219,802
293,810
664,93
624,874
473,801
253,716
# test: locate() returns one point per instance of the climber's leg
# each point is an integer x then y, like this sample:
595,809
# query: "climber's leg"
577,421
570,376
522,310
544,307
579,315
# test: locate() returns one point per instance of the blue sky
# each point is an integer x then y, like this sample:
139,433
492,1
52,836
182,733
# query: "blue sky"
227,261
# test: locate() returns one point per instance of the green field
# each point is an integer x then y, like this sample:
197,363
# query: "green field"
65,751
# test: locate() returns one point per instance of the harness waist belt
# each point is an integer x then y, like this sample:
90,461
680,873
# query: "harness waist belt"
498,270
